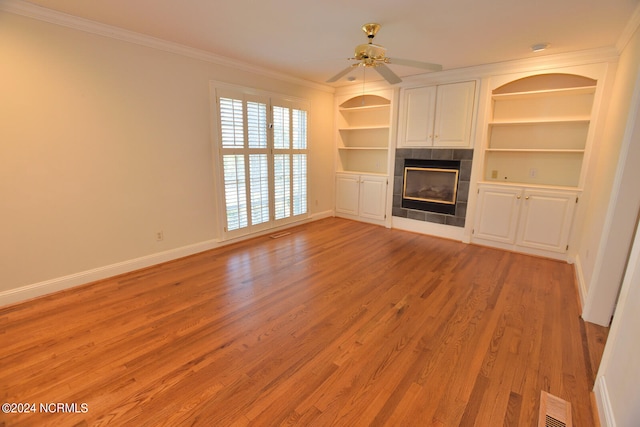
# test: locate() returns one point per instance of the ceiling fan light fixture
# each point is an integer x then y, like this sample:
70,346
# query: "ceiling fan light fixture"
372,55
369,50
539,47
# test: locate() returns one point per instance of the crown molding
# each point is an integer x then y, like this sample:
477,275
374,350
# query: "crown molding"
29,10
540,63
629,30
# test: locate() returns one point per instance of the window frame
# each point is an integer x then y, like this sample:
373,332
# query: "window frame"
297,211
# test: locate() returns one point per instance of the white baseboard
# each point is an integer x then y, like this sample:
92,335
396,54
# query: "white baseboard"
39,289
321,215
603,403
34,290
582,284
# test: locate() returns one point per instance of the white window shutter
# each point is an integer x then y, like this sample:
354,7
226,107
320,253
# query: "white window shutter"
264,172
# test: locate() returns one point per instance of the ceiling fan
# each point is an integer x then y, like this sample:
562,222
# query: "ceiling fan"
373,56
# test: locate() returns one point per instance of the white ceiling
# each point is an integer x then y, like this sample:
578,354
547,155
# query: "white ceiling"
312,39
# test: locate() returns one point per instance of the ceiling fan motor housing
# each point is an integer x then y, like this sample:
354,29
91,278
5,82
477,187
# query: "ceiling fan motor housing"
370,51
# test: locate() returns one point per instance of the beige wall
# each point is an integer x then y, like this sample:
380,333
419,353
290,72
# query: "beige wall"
613,196
617,388
104,142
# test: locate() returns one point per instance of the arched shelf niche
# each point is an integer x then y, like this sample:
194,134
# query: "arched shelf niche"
545,82
538,130
365,101
363,124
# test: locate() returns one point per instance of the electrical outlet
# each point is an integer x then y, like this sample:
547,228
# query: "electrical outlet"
159,236
494,174
533,172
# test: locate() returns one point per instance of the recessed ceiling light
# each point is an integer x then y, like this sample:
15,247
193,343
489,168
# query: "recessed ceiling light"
539,47
351,78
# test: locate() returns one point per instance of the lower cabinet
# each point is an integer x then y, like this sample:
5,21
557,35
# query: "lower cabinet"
524,218
361,196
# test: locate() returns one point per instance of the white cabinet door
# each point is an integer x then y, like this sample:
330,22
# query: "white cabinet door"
416,119
497,214
363,196
347,193
437,116
530,220
373,192
454,112
546,219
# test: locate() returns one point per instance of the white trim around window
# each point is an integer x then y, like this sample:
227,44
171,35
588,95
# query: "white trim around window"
261,155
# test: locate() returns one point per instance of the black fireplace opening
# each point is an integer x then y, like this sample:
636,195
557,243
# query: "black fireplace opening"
430,185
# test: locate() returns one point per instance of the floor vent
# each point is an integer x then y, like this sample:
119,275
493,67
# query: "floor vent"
552,422
554,412
277,235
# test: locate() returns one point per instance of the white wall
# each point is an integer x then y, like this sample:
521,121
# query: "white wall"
617,387
613,196
104,142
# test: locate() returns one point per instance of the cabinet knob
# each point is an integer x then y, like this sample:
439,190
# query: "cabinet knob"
518,197
526,198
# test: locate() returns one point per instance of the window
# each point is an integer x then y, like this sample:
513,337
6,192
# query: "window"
262,146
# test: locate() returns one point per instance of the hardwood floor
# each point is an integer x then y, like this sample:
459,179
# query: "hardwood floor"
339,323
596,338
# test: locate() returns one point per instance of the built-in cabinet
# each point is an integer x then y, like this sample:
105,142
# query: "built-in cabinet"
363,196
364,124
538,134
525,218
437,116
363,148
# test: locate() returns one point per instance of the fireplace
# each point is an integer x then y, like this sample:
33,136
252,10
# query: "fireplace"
430,185
435,158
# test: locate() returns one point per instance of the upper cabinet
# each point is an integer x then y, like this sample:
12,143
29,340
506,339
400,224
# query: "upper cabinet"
538,130
437,116
364,124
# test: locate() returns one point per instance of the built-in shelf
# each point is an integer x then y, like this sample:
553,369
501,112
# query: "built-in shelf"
539,135
546,93
363,148
381,107
357,128
363,124
363,172
532,150
584,120
363,134
536,149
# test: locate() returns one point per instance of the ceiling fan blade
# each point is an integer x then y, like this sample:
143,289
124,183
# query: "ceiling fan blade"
416,64
388,75
340,74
